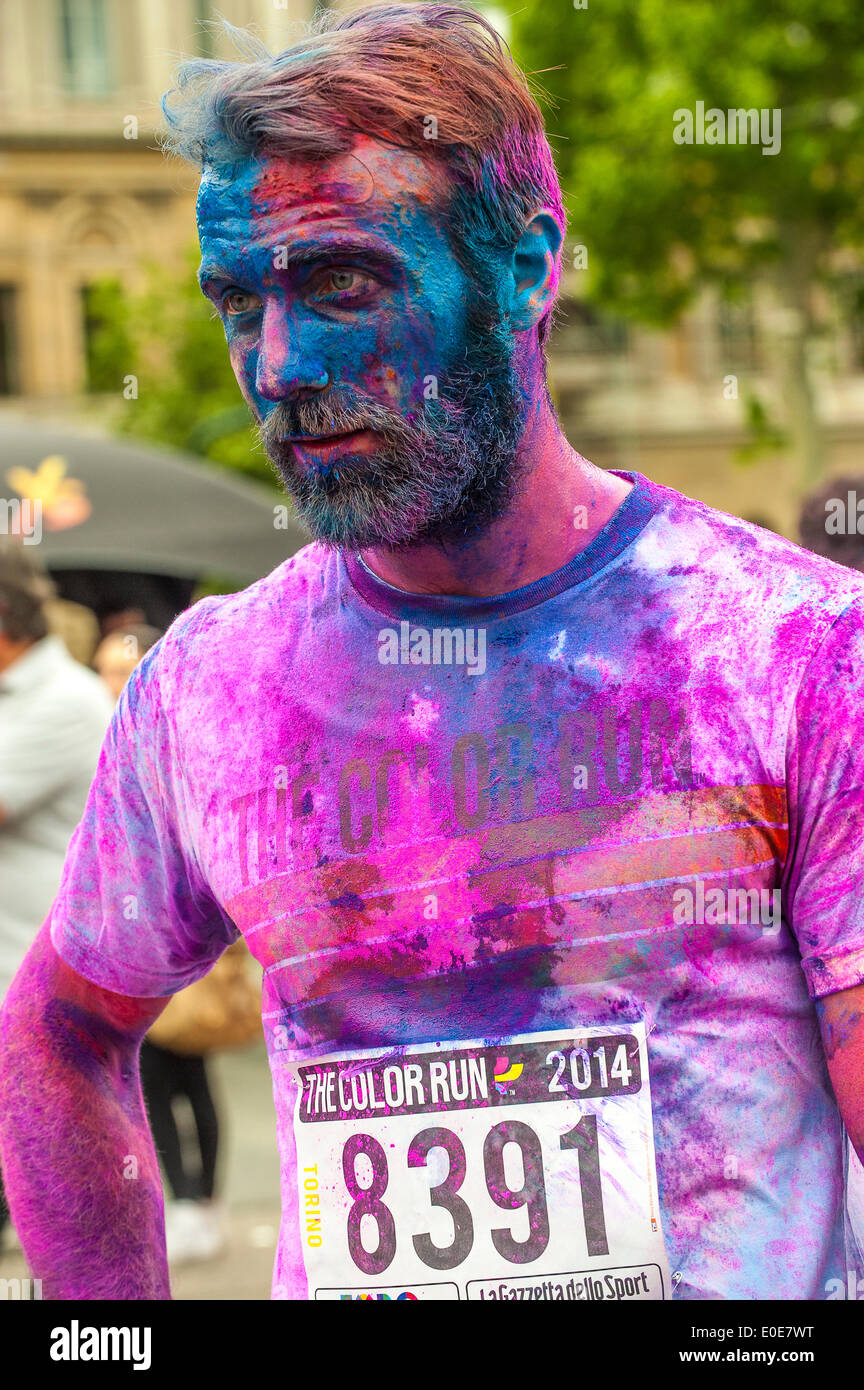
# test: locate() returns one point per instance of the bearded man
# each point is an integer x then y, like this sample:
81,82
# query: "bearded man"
547,938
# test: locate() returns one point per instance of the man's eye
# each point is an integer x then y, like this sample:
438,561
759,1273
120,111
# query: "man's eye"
343,286
240,302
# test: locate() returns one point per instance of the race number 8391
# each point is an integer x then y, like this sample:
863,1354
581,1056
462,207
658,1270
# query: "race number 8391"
467,1160
531,1194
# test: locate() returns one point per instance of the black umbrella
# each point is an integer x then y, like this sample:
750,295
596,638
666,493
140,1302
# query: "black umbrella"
109,504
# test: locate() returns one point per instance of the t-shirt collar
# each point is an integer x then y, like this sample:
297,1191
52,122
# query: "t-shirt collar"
621,529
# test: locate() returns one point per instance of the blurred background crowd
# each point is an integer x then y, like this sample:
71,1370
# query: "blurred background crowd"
710,334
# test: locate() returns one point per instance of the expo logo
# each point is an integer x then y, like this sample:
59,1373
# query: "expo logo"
378,1297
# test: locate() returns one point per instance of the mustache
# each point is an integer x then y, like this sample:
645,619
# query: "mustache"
318,416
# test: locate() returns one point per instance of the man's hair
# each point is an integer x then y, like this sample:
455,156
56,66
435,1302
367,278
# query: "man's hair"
385,71
24,590
843,549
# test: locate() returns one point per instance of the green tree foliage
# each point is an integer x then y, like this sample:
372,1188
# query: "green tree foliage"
662,219
106,339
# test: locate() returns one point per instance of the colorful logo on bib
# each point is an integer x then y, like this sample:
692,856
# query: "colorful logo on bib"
503,1073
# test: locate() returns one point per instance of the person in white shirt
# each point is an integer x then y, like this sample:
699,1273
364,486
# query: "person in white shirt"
53,717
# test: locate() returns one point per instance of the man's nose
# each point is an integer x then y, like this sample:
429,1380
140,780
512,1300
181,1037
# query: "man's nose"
288,367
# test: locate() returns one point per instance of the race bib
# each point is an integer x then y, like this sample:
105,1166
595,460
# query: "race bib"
525,1170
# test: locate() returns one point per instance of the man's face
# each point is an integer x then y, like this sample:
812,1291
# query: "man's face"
382,384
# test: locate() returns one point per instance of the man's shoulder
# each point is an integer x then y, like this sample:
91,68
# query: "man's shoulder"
263,613
761,575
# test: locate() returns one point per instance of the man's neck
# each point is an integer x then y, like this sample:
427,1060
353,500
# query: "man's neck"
562,504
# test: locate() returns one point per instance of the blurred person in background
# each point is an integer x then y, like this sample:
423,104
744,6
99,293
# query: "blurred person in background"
53,717
218,1012
77,625
173,1065
120,651
829,520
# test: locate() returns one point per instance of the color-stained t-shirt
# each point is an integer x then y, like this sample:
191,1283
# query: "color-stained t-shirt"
551,829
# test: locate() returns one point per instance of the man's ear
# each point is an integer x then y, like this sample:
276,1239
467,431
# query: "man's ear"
534,271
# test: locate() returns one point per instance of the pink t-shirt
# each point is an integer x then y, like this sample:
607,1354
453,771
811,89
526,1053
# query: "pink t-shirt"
539,834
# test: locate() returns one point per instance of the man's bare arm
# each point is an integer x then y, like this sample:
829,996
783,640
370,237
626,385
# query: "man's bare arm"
841,1018
80,1170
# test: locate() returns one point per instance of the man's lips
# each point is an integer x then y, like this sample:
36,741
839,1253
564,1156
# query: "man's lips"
331,445
315,441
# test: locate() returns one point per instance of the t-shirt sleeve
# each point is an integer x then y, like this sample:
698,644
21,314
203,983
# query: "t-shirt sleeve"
823,885
133,913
